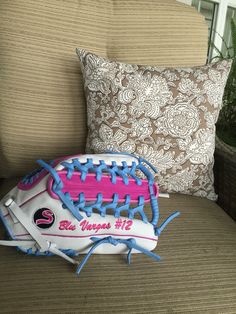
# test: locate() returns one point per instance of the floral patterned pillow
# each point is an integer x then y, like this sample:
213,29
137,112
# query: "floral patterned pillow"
166,115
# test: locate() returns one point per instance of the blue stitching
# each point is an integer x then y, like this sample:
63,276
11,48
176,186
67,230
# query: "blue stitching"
75,206
130,243
69,252
80,205
57,188
133,175
166,222
33,175
114,170
153,198
140,159
29,178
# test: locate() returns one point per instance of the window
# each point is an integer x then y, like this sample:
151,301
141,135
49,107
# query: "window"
231,14
218,15
209,10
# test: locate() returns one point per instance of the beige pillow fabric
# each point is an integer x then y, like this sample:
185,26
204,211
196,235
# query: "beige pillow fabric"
166,115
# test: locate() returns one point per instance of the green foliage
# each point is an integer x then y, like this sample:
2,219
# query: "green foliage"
227,120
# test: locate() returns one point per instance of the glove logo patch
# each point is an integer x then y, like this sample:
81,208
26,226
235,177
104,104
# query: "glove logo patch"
44,218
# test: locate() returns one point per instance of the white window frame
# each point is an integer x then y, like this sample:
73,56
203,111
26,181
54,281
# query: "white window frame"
220,19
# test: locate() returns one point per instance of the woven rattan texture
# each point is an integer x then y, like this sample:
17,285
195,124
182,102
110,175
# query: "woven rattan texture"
225,174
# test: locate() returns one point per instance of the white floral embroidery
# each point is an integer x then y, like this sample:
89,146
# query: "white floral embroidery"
125,96
187,86
141,128
213,87
201,149
161,160
170,75
109,141
181,181
151,93
180,120
166,115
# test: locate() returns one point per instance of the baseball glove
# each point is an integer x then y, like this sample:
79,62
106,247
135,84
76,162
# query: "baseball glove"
85,204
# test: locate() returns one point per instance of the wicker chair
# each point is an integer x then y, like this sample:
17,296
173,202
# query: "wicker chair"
43,115
225,177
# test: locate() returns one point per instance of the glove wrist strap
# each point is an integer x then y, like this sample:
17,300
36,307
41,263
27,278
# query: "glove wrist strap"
39,240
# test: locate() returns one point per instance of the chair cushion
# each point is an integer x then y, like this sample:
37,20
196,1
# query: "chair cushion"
43,113
196,274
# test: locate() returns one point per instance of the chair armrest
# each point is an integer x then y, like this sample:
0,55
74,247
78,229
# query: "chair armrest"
225,177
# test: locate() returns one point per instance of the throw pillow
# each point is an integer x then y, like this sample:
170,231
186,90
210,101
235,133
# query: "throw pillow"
166,115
